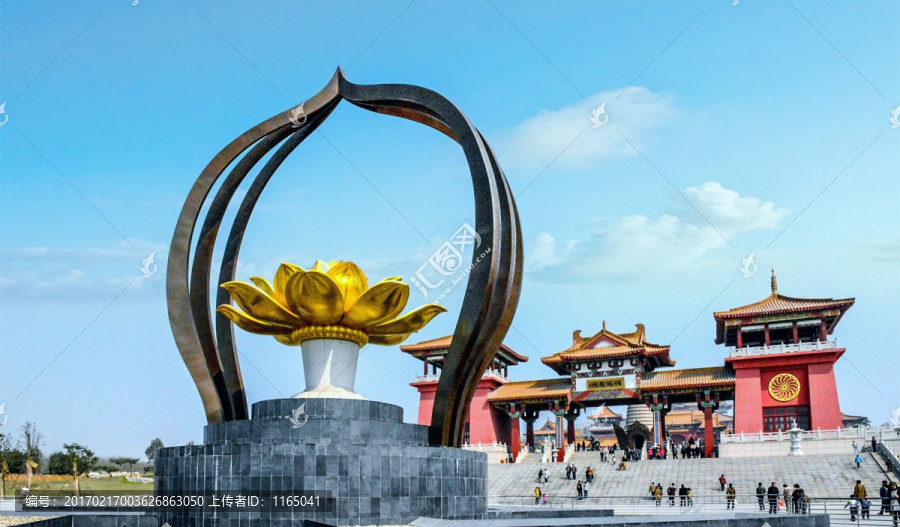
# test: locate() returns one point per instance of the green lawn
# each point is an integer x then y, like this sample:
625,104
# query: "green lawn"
85,485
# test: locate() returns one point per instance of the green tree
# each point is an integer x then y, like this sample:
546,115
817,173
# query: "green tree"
155,445
121,461
80,460
58,464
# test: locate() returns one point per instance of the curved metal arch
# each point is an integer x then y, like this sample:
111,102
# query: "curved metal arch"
491,295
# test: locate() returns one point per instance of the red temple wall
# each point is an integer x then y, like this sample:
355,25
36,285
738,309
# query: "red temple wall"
818,388
826,413
483,422
427,392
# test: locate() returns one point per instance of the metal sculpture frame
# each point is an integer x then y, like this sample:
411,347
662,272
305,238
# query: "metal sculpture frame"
492,293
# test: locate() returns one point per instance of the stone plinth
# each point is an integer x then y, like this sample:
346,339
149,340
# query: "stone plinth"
380,470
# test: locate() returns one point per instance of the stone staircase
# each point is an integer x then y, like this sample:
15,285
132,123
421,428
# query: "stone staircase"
820,476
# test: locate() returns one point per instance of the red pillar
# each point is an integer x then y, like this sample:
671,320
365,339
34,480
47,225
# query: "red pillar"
767,334
740,338
708,432
570,431
561,453
823,334
796,333
529,433
515,438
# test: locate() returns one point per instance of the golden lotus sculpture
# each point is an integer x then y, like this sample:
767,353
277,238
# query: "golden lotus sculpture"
331,312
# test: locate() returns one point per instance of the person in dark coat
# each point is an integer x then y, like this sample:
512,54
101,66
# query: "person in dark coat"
772,494
761,496
885,493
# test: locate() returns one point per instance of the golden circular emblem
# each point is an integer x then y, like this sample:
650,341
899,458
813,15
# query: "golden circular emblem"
784,387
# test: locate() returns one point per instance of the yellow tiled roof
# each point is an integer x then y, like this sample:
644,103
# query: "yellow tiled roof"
776,303
547,389
714,377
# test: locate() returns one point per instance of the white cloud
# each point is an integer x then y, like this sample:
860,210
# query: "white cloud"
540,139
636,246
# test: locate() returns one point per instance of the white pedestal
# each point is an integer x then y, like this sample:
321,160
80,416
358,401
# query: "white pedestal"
329,366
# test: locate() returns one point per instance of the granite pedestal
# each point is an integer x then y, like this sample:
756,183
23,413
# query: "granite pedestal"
380,470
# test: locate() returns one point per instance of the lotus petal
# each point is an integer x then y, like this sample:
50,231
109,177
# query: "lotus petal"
263,285
260,305
252,325
408,323
315,298
351,281
387,340
382,302
393,279
284,272
287,340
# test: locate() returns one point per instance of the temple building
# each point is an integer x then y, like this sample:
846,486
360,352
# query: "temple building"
779,367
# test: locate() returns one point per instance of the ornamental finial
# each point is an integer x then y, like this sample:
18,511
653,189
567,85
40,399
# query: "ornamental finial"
774,282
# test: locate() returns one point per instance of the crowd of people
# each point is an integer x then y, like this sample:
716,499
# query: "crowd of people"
685,494
860,504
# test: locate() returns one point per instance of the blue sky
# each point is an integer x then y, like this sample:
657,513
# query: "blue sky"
761,127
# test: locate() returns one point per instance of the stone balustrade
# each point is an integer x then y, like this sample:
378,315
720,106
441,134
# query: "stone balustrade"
753,351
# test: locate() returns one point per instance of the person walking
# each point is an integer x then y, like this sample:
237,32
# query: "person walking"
730,493
864,505
761,496
652,489
690,493
855,448
797,499
860,490
574,472
874,444
894,494
671,493
858,461
853,503
657,494
772,494
580,488
786,498
590,474
540,474
682,496
722,482
585,488
537,495
885,493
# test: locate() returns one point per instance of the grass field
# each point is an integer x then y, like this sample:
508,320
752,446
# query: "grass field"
85,485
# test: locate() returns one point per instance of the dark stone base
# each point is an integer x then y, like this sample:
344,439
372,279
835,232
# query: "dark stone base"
380,471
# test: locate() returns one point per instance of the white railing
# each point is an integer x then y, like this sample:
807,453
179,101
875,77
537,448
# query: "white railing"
857,432
885,450
485,447
437,376
752,351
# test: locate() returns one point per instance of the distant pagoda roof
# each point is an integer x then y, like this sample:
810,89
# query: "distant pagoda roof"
604,413
608,345
533,391
778,304
673,380
439,346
